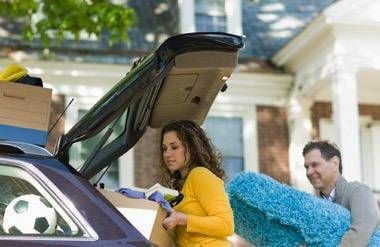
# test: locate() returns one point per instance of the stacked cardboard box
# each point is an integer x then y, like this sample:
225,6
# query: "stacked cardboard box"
24,112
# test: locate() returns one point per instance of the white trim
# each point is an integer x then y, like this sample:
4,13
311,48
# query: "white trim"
187,16
375,162
248,114
313,31
74,79
367,151
71,114
127,169
253,89
346,118
327,129
71,70
353,11
299,126
233,14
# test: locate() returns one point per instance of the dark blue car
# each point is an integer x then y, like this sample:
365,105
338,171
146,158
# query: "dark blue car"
46,200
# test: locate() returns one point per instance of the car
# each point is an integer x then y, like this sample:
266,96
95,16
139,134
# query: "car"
47,200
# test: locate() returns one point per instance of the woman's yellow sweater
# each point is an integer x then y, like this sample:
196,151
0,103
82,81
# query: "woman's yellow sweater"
209,214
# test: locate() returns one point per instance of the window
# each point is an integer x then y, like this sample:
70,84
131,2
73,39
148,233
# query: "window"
210,16
227,135
26,208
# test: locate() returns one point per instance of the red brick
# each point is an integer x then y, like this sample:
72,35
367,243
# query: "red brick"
273,142
57,107
324,110
146,157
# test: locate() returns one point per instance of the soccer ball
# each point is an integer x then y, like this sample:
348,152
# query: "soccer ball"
29,214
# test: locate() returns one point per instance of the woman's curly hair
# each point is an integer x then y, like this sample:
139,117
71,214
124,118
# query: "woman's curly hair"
201,150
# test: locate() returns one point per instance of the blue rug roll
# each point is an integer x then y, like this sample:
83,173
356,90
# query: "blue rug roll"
268,213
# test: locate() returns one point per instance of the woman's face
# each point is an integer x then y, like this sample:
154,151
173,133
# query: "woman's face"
173,153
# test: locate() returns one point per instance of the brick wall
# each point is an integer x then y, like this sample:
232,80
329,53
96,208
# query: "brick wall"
324,110
319,110
370,110
273,142
146,156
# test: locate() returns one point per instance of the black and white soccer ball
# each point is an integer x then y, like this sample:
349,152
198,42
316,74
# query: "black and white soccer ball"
29,214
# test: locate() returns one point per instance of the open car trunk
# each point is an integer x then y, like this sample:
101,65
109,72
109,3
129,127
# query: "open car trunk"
180,80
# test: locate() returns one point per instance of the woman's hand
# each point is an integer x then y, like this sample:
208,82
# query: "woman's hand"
175,218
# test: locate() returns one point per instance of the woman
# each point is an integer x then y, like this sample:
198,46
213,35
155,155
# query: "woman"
191,165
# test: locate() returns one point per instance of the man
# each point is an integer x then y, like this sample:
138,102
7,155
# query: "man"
323,166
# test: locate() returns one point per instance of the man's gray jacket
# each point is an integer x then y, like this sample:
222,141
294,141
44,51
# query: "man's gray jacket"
360,201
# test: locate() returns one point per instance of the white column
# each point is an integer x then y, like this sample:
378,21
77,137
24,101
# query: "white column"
346,120
300,129
233,13
187,16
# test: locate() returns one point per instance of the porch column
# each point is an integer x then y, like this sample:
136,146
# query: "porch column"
187,16
300,129
346,120
233,13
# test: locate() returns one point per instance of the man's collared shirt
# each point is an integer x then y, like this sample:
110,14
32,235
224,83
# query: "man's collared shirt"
329,197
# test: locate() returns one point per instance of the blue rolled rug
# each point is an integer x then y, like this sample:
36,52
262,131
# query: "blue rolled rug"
268,213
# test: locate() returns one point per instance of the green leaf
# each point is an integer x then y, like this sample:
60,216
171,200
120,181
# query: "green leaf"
58,20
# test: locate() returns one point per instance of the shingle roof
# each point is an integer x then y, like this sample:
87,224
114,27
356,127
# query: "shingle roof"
271,24
267,24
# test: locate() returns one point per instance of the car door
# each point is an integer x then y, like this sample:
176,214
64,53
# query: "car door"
44,204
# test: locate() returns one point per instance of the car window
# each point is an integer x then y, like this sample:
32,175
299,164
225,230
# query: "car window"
81,151
26,208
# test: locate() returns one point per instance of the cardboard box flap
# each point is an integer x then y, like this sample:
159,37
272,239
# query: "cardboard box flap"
145,215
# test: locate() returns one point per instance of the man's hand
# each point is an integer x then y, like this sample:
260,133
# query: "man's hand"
175,218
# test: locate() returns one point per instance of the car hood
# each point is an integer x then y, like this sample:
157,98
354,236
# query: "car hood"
179,80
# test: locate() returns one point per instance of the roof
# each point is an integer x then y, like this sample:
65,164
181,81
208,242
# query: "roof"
267,24
271,24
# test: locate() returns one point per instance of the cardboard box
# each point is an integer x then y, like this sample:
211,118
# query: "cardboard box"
145,215
24,112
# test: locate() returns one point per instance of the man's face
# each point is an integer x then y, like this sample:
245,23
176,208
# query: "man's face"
321,173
